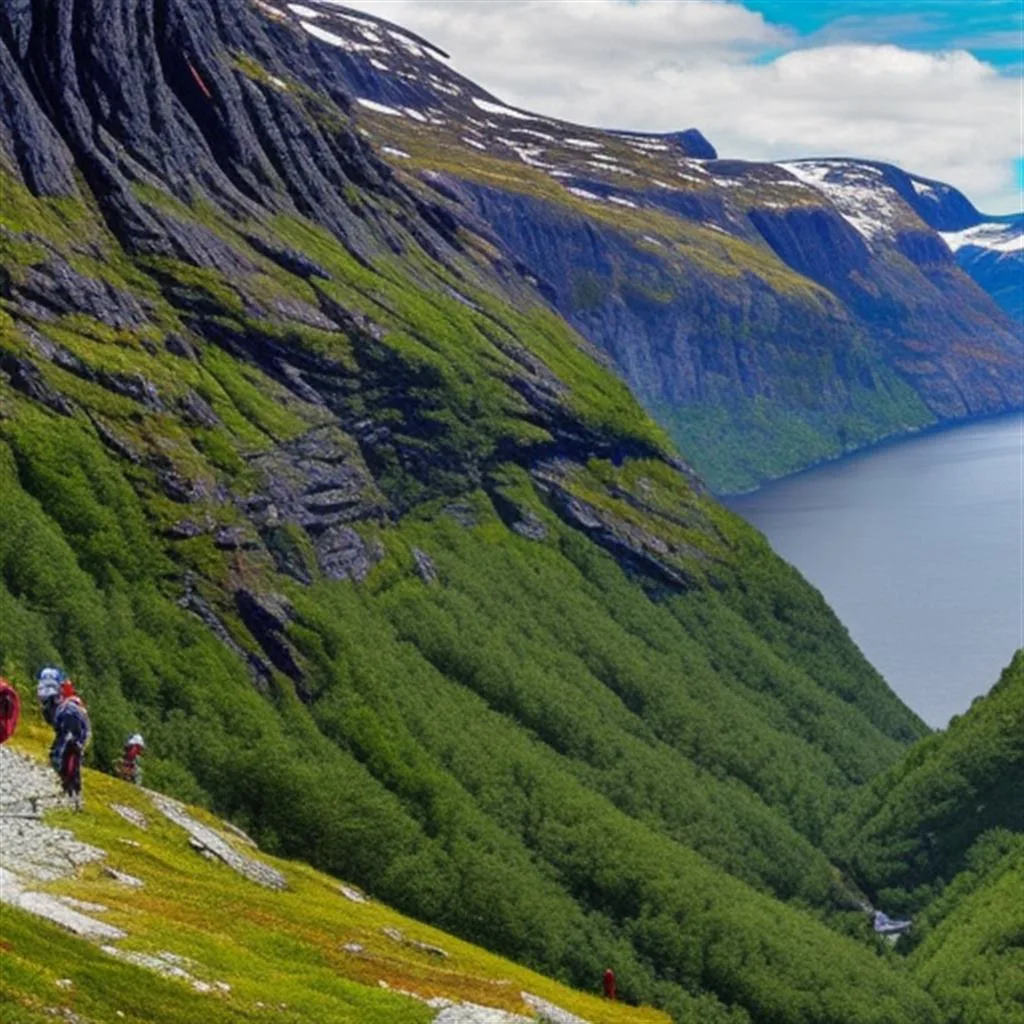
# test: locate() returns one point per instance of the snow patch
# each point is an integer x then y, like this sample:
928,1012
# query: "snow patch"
996,237
379,108
474,143
304,12
863,200
335,40
582,143
537,135
503,111
582,193
391,151
622,201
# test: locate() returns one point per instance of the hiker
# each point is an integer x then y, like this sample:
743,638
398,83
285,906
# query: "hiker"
10,710
48,691
71,735
129,769
609,984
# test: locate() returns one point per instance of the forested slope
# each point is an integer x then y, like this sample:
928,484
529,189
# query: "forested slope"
942,834
913,827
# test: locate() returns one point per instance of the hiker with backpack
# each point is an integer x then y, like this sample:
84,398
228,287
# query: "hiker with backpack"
10,710
48,684
129,769
71,735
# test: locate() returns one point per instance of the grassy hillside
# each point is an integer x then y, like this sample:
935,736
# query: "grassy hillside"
304,954
769,316
971,950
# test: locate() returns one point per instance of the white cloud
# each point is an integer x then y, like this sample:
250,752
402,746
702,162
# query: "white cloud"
662,65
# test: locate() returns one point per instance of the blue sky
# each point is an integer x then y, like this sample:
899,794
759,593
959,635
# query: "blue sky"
990,29
930,85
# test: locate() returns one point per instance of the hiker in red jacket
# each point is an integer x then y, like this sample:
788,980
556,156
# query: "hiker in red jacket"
609,984
10,710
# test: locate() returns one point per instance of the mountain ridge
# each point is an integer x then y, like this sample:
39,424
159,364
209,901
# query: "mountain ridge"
711,340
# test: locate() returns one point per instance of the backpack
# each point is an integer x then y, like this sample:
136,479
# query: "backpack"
10,710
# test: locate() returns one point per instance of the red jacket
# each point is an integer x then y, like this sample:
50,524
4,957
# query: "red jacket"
10,710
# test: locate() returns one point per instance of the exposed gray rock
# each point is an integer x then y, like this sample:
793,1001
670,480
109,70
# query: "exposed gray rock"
32,851
185,529
44,905
235,538
132,816
463,513
194,602
470,1013
124,879
178,346
55,285
425,566
25,377
115,442
215,844
531,527
344,555
198,410
639,549
266,616
549,1013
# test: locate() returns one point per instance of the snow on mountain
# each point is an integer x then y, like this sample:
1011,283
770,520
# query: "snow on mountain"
995,236
857,190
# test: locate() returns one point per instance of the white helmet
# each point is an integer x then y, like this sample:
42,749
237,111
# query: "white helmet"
49,683
135,740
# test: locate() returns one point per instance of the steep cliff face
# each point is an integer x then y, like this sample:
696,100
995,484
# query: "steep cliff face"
697,275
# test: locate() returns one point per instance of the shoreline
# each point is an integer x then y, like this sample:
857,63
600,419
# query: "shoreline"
888,441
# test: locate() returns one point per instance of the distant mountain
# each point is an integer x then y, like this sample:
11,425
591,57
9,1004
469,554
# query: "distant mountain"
768,315
992,252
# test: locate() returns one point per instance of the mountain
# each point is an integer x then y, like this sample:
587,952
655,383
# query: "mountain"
992,252
306,478
769,316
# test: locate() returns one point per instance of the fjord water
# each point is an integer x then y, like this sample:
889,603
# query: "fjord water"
917,545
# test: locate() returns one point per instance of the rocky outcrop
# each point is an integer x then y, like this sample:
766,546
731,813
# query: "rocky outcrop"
207,840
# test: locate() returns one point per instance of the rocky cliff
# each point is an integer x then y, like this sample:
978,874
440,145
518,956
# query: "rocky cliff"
768,315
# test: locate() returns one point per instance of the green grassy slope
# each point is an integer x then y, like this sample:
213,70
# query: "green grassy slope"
971,953
258,952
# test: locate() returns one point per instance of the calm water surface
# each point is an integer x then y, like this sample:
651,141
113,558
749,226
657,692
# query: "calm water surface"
917,546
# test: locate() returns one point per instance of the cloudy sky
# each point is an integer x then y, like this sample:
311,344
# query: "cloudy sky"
932,85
